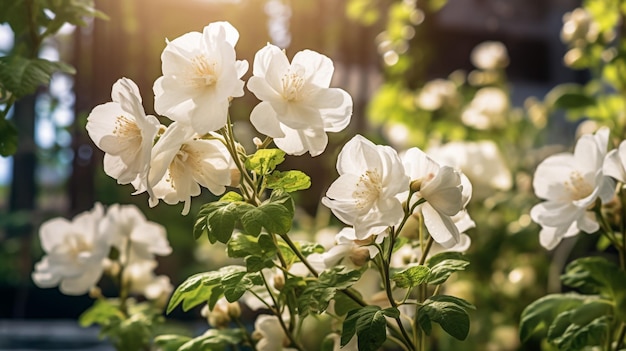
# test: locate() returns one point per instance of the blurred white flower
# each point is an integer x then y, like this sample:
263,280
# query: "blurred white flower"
615,162
297,106
181,162
134,236
579,28
436,94
75,252
141,279
123,131
364,195
200,76
441,187
487,109
223,312
270,335
480,161
490,55
570,184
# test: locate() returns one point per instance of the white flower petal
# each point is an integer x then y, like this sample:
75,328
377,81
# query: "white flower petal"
440,226
263,118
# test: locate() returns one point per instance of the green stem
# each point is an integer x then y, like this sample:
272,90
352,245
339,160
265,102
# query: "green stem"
276,310
387,281
247,183
347,292
303,259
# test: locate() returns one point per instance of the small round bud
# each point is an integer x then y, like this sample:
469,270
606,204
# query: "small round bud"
279,281
416,185
257,142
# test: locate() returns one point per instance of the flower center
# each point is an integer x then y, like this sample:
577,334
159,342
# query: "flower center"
187,160
292,82
126,128
77,245
577,186
204,71
368,189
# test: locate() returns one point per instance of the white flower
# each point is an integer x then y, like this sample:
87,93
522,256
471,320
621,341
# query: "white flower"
570,184
615,162
441,187
134,237
181,162
490,55
364,195
141,279
297,107
200,76
480,161
436,94
487,109
75,251
270,334
222,313
123,131
579,27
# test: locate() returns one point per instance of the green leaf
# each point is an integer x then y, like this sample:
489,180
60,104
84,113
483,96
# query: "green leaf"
8,138
449,312
275,215
170,342
594,275
318,293
264,161
197,289
412,276
217,220
235,284
22,76
369,324
231,196
540,314
288,181
569,96
213,339
443,265
567,334
345,304
241,245
102,312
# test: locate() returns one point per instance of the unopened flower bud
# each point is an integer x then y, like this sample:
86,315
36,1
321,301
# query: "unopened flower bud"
279,281
416,185
257,142
222,313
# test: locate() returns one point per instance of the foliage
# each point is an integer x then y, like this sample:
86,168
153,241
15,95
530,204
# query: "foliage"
21,71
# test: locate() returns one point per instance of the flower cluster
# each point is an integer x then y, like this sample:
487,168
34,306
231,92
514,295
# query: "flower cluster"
397,206
120,242
375,185
200,78
572,184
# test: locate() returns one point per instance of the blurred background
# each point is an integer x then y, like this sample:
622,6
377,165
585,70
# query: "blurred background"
387,54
